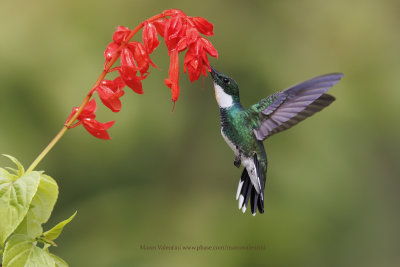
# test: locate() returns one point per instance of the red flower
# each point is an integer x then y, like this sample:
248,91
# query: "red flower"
120,34
128,62
141,57
110,93
202,25
88,112
128,69
191,36
111,50
196,60
173,77
150,37
209,47
87,119
160,26
132,81
97,129
175,28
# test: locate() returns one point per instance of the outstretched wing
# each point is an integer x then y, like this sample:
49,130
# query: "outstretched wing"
284,109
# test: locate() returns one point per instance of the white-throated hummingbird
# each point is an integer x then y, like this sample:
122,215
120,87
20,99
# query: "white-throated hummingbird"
244,130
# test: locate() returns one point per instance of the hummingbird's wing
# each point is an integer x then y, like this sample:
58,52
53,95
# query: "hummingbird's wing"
284,109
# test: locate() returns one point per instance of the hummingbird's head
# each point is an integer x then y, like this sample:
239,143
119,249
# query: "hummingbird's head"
226,89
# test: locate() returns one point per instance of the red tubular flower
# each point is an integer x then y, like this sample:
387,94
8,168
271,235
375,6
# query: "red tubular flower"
89,111
110,93
150,37
193,62
175,27
87,119
141,57
111,50
129,67
134,82
128,71
128,63
173,79
202,25
97,129
160,26
191,36
209,47
120,34
196,60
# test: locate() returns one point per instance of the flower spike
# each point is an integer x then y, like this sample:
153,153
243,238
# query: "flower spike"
181,34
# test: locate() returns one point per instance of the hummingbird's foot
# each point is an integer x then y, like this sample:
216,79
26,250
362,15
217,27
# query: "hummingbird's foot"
237,161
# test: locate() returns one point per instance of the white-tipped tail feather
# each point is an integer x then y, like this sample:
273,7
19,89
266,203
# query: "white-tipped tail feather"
239,189
241,200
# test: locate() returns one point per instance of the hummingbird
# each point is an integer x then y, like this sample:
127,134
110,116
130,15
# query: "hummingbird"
244,130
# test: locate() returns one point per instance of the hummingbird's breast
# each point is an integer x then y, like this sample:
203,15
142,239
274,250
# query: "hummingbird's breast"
236,131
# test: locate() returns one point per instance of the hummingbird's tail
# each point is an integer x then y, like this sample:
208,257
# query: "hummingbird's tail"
246,191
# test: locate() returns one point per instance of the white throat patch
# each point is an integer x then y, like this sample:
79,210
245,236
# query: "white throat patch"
224,100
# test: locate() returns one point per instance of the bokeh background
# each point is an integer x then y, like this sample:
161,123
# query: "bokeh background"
332,196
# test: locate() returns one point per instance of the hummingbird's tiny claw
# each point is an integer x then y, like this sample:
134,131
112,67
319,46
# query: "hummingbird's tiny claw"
237,161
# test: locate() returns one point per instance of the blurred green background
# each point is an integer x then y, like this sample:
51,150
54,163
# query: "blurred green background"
332,195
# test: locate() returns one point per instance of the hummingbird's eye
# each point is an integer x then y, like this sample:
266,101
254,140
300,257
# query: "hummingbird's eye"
226,80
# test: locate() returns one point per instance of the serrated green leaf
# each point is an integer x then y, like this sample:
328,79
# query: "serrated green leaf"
21,251
40,208
53,233
58,261
20,170
15,198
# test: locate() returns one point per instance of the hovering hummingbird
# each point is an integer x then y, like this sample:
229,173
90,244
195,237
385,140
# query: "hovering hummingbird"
244,130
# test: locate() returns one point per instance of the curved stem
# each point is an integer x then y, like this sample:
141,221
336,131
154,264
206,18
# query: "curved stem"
47,149
88,96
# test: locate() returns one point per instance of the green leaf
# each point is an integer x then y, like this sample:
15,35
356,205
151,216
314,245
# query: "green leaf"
21,251
3,173
20,170
53,233
40,208
15,198
58,261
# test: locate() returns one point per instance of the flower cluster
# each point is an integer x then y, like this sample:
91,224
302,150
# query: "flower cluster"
180,32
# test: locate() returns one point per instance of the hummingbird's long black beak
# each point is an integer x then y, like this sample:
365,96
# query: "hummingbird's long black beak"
213,73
